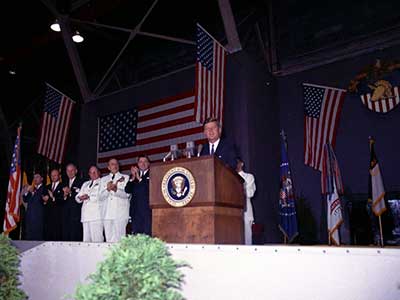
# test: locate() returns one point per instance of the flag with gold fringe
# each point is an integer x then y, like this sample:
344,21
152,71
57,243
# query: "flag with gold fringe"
376,189
332,187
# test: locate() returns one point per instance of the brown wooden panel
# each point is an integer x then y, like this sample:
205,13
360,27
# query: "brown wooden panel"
206,225
202,171
214,215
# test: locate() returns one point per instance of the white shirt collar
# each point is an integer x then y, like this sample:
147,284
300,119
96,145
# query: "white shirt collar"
71,181
215,145
143,171
116,175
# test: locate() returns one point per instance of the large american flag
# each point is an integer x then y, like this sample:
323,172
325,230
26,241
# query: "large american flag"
322,107
56,120
148,129
210,77
11,216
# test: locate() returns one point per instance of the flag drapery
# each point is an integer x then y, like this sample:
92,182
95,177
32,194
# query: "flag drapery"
148,129
287,205
11,216
322,107
332,188
210,77
376,189
56,120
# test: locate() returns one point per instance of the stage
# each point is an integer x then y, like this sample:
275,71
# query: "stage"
51,270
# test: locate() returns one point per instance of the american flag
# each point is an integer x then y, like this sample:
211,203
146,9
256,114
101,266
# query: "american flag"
210,77
11,216
148,129
322,107
56,120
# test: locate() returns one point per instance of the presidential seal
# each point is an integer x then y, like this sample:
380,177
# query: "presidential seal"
178,186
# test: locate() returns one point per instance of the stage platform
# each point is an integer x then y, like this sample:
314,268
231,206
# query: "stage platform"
51,270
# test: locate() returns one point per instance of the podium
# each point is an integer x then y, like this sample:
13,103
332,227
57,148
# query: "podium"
214,214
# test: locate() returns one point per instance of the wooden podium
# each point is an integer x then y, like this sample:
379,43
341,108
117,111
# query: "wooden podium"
215,213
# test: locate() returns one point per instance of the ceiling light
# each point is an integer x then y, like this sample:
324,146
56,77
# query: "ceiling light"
77,38
55,26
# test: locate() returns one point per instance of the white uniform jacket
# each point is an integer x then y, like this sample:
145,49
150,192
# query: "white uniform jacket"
116,204
250,189
92,207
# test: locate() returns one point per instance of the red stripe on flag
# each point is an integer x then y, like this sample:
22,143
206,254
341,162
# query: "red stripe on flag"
169,136
337,117
66,130
166,124
167,100
166,112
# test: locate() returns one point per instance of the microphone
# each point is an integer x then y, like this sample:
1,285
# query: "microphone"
189,149
166,156
199,148
174,151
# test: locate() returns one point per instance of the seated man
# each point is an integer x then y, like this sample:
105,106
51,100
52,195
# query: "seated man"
216,145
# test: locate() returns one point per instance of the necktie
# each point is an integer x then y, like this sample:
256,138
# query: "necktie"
91,184
212,149
112,178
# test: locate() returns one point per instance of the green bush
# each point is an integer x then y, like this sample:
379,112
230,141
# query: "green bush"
138,267
9,271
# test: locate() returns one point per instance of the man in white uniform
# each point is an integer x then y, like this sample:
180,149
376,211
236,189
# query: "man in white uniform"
250,189
91,207
116,202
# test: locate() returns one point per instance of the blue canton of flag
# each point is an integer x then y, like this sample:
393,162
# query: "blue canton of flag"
117,130
204,48
52,102
287,206
210,77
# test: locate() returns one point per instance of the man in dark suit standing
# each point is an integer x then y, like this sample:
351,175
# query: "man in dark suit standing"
53,198
216,145
35,209
71,210
138,186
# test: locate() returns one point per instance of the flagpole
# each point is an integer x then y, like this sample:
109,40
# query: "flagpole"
285,239
380,229
329,239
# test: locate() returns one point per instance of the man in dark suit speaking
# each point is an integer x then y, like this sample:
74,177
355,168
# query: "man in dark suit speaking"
216,145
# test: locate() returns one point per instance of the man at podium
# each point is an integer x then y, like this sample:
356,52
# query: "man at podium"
216,145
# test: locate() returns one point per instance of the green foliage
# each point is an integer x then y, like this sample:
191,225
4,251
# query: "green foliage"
9,271
138,267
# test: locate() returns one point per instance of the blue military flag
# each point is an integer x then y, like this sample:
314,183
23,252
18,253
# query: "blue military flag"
287,206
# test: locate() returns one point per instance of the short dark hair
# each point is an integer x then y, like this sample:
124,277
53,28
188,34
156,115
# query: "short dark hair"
143,155
40,174
94,166
71,164
210,120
